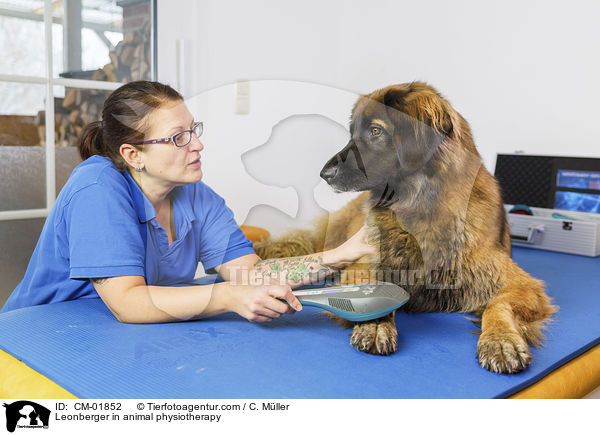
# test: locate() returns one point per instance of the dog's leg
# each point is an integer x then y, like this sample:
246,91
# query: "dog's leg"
377,336
501,348
512,320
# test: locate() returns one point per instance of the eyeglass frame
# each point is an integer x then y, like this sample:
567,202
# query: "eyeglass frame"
172,138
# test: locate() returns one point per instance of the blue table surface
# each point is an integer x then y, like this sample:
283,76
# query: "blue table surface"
82,347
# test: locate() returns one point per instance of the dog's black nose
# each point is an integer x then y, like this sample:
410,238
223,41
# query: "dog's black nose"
328,172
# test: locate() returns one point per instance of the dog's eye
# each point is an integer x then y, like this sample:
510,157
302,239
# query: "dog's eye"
375,131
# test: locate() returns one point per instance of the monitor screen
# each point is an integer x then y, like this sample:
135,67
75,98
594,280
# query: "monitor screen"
577,190
578,179
576,201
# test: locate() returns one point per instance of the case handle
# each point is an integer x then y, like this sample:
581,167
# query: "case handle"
532,230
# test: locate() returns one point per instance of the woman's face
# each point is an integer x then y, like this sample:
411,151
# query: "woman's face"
169,166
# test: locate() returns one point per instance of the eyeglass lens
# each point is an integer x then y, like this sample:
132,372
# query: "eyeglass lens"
183,138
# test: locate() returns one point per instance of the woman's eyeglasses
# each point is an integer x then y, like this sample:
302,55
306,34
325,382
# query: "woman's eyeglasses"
180,139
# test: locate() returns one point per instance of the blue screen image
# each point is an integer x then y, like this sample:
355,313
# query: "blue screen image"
578,179
575,201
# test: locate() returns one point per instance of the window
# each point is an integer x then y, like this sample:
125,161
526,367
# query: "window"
63,58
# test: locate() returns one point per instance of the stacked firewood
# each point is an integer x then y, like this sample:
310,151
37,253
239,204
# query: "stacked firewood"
72,113
130,60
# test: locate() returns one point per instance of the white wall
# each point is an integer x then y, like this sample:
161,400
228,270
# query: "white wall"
525,74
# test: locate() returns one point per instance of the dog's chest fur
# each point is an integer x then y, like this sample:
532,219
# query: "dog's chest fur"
433,266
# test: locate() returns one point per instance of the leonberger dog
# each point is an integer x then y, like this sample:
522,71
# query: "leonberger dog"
437,215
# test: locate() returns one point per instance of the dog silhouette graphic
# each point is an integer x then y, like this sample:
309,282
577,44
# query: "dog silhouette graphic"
30,411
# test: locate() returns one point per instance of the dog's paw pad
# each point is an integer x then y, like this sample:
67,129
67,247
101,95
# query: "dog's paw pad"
363,336
387,339
503,352
374,338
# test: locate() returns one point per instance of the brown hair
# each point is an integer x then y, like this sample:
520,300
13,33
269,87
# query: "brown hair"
123,116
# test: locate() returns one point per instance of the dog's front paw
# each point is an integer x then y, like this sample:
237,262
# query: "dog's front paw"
503,352
376,337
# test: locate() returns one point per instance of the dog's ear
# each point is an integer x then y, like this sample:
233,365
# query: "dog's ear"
394,98
435,113
420,122
424,105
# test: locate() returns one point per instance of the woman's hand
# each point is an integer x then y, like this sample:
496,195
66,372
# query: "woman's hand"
356,247
263,303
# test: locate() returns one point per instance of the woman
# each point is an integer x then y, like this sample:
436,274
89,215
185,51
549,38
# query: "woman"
134,220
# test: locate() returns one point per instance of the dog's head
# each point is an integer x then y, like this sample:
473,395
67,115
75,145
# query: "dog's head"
395,132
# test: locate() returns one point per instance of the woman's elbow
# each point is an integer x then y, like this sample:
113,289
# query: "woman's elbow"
122,314
119,315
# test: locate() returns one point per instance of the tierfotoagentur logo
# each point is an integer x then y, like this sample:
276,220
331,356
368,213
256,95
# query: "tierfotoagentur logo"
26,415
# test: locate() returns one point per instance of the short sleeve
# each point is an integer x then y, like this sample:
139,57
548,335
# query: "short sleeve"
221,239
105,237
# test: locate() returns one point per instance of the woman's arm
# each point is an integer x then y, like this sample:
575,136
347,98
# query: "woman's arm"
132,301
296,271
292,271
254,288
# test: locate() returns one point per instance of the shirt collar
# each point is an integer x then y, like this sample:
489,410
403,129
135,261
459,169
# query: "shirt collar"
143,206
182,200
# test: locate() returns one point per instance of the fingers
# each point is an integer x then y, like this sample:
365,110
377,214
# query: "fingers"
284,293
258,318
278,307
265,303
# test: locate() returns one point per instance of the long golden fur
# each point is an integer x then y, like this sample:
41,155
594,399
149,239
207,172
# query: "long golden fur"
437,215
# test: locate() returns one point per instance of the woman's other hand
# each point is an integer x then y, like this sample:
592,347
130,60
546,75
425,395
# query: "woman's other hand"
263,303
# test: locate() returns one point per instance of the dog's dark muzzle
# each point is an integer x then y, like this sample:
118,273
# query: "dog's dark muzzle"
333,167
330,169
346,171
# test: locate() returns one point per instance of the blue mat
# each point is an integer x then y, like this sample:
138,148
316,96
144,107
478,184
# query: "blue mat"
80,346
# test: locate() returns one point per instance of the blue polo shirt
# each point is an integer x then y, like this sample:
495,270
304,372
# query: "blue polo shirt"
102,225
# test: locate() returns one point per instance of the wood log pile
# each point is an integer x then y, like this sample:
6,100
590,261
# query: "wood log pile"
18,130
74,112
129,61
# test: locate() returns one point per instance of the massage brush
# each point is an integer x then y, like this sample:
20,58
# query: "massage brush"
355,302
